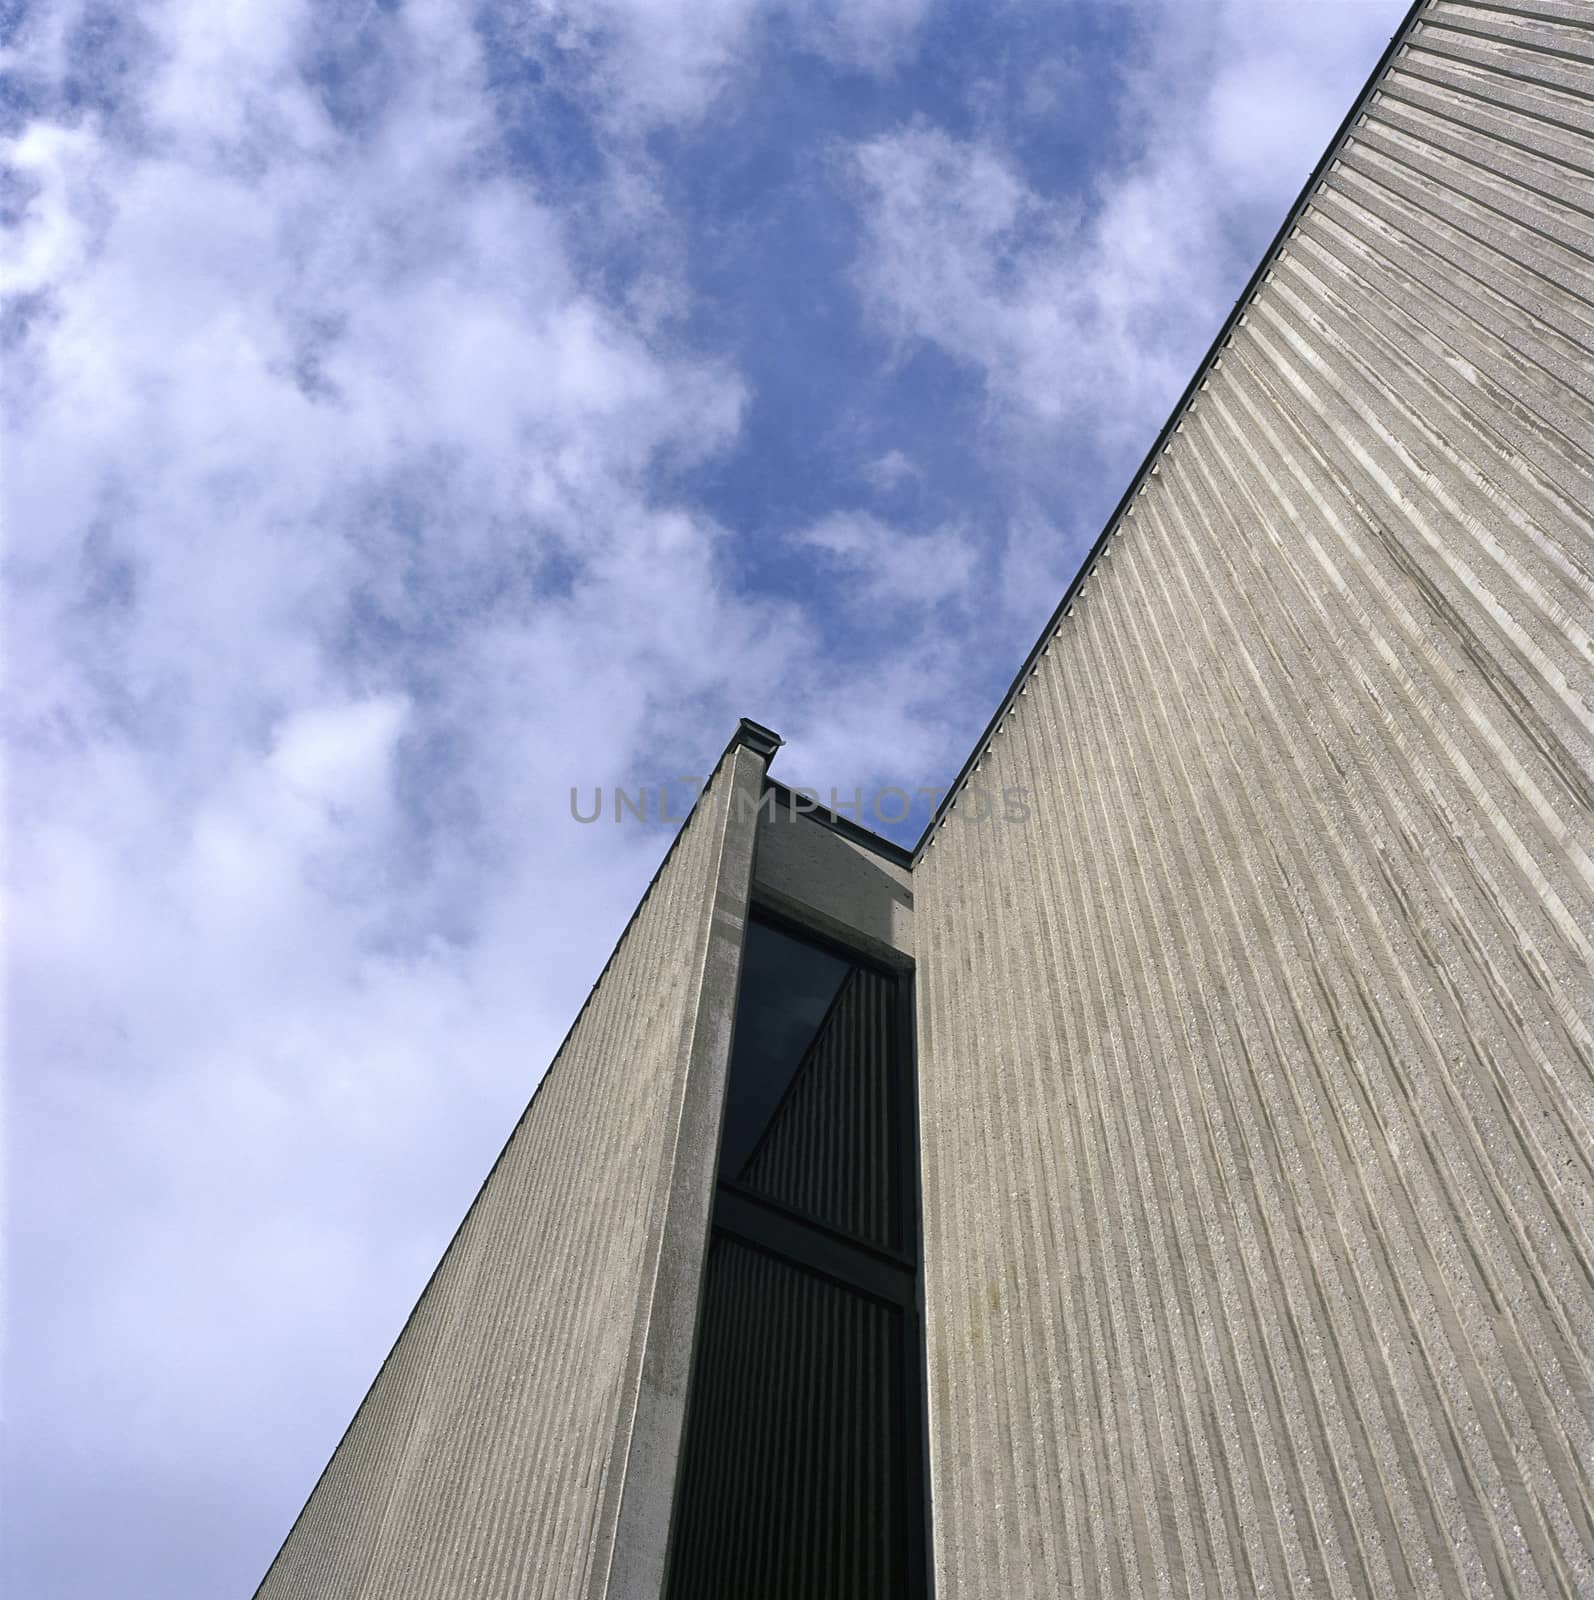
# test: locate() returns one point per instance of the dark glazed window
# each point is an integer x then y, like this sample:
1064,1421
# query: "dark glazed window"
788,988
801,1469
812,1115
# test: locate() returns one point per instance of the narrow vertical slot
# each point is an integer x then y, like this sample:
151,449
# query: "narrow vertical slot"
802,1472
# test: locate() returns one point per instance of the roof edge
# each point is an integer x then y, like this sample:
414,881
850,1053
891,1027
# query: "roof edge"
756,737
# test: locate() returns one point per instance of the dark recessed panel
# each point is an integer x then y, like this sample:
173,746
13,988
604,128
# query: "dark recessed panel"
788,987
795,1478
802,1462
831,1151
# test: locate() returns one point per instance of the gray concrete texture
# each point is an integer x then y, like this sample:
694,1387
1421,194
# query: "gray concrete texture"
834,886
1257,1069
521,1437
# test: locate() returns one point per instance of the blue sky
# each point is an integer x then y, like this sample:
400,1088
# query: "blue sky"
414,410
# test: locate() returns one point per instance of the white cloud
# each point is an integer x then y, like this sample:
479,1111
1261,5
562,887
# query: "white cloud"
337,554
892,566
51,160
1064,317
337,759
888,471
1084,304
655,62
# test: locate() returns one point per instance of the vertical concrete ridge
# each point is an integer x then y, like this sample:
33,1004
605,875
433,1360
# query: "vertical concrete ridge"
489,1454
630,1562
1257,1066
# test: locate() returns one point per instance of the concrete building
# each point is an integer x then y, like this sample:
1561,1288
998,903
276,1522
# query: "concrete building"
1189,1190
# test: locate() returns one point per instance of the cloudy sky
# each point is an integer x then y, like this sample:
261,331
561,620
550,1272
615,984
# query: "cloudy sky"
415,408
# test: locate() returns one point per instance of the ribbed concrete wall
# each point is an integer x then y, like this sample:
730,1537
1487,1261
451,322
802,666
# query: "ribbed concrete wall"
520,1439
1257,1068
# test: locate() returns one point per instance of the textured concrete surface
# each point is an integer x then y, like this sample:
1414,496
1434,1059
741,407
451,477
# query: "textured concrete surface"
663,1340
1257,1069
834,885
521,1437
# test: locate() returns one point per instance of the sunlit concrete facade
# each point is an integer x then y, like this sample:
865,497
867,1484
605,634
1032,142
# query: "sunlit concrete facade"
1253,1090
